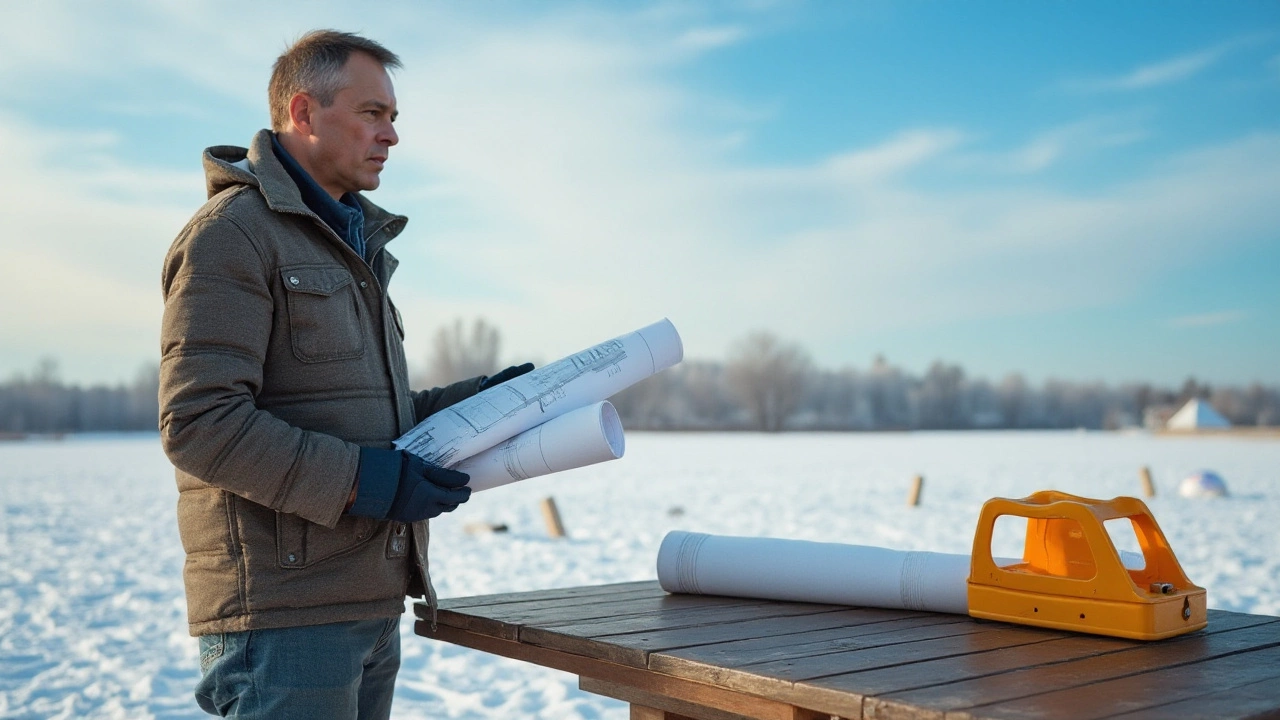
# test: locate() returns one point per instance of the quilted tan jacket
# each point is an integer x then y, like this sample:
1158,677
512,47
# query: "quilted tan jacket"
281,355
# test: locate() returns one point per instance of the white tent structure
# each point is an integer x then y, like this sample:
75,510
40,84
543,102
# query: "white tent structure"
1197,415
1204,484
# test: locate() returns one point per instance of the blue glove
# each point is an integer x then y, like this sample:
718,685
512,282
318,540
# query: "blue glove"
396,485
512,372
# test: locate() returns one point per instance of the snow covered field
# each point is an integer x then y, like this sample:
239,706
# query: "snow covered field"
92,615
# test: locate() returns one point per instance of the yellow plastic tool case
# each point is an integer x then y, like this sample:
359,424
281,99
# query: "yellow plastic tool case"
1071,576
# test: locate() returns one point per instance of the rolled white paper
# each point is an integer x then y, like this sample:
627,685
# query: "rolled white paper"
803,571
585,436
832,573
488,418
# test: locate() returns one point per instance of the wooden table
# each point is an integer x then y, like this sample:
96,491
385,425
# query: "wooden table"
714,658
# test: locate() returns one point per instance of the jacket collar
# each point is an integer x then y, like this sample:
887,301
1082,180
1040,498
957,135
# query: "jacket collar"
343,215
228,166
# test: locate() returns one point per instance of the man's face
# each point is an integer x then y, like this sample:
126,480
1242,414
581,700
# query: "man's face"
351,139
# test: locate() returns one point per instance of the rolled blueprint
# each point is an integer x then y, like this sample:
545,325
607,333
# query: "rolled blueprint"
585,436
502,412
832,573
803,571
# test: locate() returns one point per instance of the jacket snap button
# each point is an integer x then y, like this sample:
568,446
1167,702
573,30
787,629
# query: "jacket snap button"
293,280
364,284
293,558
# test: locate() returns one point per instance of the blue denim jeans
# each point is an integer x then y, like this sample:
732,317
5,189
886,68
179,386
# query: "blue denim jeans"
317,672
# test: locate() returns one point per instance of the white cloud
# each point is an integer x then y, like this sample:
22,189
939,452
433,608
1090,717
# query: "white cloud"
907,150
563,184
708,38
1209,319
1164,72
93,44
1171,70
81,252
595,206
1072,140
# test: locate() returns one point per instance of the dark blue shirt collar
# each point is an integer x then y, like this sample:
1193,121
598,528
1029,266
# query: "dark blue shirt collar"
344,216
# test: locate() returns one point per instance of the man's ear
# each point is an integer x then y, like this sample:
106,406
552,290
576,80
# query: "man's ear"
300,106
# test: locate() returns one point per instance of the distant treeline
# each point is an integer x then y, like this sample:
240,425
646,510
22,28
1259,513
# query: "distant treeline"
43,404
767,385
764,384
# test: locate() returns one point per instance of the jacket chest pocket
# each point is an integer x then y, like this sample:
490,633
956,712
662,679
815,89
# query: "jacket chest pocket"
326,321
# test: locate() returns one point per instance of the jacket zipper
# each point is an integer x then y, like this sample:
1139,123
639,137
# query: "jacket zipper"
419,555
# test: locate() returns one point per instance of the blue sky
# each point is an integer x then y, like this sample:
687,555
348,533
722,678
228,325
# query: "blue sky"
1086,190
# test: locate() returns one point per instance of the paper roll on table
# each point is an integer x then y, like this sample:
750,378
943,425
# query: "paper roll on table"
804,571
585,436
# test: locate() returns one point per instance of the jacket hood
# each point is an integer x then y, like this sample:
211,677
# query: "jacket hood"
229,166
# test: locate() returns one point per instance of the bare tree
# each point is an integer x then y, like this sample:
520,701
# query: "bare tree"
144,398
941,395
887,394
689,396
1014,400
769,377
458,353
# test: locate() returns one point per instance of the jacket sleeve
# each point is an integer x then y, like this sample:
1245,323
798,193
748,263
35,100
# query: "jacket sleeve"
427,402
217,324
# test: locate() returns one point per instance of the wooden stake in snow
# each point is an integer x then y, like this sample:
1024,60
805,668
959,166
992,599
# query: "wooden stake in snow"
1148,487
917,484
552,517
480,528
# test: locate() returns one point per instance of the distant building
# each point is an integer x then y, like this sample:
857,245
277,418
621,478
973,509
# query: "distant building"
1197,414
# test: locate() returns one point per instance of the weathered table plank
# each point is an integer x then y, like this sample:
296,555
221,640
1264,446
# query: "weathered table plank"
1256,701
591,637
940,671
756,651
775,630
699,694
504,619
842,654
1140,691
761,659
646,587
808,660
1039,678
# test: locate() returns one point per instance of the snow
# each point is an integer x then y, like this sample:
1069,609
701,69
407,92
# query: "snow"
92,614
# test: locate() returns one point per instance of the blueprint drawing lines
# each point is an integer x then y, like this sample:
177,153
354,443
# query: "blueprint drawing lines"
500,413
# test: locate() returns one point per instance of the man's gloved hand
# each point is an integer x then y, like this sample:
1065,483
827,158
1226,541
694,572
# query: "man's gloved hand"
396,485
512,372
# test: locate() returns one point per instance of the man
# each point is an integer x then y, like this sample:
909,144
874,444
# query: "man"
283,383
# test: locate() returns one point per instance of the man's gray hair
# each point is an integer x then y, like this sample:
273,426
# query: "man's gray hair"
313,65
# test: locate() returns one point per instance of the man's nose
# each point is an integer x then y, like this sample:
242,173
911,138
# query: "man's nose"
389,135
